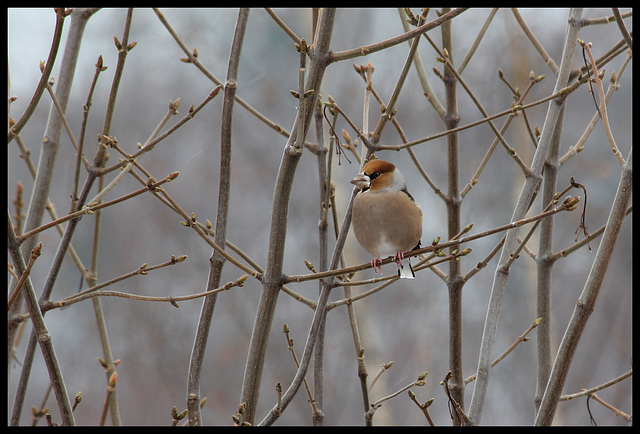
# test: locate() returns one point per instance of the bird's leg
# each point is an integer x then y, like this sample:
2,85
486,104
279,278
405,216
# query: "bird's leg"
376,263
405,274
398,258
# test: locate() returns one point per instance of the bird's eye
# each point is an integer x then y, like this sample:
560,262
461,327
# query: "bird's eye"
374,175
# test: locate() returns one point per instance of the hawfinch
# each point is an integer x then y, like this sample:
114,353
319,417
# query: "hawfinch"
386,220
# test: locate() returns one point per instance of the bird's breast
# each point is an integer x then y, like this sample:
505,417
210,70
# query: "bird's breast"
386,222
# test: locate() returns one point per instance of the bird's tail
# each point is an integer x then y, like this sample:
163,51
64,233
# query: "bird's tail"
405,271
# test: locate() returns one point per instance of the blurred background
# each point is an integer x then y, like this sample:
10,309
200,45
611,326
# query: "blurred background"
407,322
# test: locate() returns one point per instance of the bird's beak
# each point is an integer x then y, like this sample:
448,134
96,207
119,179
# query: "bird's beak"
361,180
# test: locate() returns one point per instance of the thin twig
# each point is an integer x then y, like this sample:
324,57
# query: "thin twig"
461,417
375,405
568,205
282,25
538,46
522,338
40,332
150,145
620,413
173,110
585,304
476,42
85,117
91,207
424,407
510,111
35,254
373,48
623,28
314,408
604,20
173,299
390,107
613,86
382,369
427,90
46,69
111,388
521,207
485,160
445,58
597,80
586,392
194,60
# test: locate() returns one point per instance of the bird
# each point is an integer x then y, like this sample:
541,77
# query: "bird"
386,219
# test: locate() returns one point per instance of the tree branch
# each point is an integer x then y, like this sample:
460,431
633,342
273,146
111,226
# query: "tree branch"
272,281
526,194
586,302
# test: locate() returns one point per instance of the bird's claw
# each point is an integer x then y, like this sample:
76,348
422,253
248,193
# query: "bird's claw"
376,263
398,257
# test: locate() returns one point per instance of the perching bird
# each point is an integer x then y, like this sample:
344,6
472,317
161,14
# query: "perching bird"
386,219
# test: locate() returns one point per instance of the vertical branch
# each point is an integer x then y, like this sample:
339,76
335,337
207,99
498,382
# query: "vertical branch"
391,105
324,158
545,265
110,366
107,354
623,29
51,140
42,186
61,14
318,317
454,201
272,281
587,300
527,192
597,81
40,331
428,92
217,260
123,49
85,117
